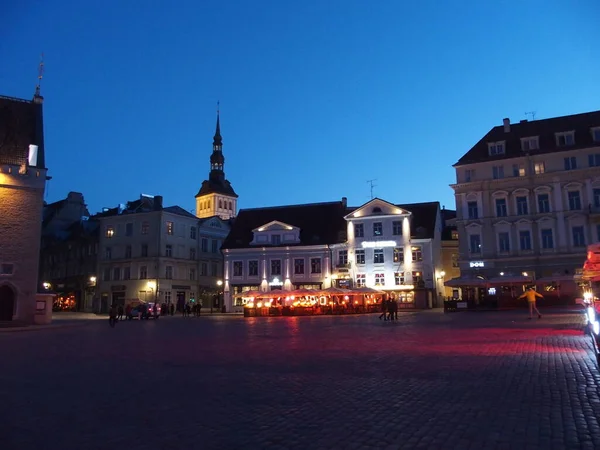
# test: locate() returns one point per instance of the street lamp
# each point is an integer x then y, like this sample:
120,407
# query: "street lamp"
219,284
46,285
93,280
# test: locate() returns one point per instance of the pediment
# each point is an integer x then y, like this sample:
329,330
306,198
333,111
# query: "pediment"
572,185
502,223
275,225
377,207
474,225
545,219
540,189
500,194
575,216
523,222
521,191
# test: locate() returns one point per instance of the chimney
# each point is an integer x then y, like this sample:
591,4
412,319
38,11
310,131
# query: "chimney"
158,202
345,202
506,123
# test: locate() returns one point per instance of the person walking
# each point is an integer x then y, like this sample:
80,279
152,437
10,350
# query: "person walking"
120,312
112,316
531,295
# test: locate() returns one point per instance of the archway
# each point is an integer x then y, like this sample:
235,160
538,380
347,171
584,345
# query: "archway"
7,302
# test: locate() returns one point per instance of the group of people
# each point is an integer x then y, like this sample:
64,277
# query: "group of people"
190,309
389,309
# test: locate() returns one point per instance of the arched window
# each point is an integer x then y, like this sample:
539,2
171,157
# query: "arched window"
208,204
230,208
220,204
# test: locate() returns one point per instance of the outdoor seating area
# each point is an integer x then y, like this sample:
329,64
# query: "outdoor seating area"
309,302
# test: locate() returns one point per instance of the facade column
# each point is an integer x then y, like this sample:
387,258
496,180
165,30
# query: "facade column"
561,232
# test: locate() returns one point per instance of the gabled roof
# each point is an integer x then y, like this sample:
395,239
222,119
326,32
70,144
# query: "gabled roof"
216,186
423,219
280,226
179,211
375,201
21,125
545,129
319,223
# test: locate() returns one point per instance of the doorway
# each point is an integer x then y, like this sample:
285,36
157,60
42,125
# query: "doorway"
180,300
7,302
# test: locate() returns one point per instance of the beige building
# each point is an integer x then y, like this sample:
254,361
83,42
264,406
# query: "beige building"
22,184
450,268
528,200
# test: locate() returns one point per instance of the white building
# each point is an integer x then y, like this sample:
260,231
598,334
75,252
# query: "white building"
149,252
320,245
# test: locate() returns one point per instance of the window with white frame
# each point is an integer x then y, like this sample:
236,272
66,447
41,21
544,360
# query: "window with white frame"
594,160
503,242
378,256
377,229
522,207
496,148
497,172
472,210
379,279
169,272
167,297
397,227
343,258
398,278
525,240
469,175
543,201
299,266
570,162
315,265
361,279
565,139
578,236
574,200
169,251
539,167
143,272
501,209
399,254
275,267
518,170
475,243
529,143
359,230
417,253
417,278
253,268
547,238
360,257
238,270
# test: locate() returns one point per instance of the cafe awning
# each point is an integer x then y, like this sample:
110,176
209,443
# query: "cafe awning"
511,279
466,281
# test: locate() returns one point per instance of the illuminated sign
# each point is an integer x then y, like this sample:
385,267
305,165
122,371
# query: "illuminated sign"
276,282
378,244
492,291
476,264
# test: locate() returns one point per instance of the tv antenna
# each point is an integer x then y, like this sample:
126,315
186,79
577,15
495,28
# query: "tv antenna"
40,75
370,182
531,113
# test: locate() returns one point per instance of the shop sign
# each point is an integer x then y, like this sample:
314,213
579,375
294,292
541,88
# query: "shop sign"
492,291
378,244
276,282
180,287
474,264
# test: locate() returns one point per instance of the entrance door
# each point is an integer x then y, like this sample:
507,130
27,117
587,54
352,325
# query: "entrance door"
180,300
7,303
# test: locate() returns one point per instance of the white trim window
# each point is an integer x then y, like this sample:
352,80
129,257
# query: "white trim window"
504,242
565,139
539,167
543,202
379,279
398,278
378,257
574,200
547,238
570,162
475,244
417,253
522,205
530,143
298,266
238,268
518,170
252,268
501,207
525,240
496,148
361,279
360,257
578,234
315,265
497,172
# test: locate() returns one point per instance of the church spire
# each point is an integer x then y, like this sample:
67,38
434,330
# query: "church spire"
217,160
218,140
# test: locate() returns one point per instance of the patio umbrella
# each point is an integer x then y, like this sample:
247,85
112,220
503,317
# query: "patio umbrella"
303,292
366,290
251,294
335,291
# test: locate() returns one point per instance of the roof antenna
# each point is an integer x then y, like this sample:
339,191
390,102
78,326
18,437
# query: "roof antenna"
40,76
372,186
531,113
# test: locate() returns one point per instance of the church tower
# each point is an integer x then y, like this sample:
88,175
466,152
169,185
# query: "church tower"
216,197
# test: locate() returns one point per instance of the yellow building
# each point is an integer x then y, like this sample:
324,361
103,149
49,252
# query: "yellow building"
450,251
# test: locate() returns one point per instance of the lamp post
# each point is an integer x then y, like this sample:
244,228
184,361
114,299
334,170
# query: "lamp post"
219,284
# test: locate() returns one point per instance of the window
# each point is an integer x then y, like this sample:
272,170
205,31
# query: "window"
578,237
518,170
298,266
193,231
596,134
192,276
107,253
594,160
116,274
170,228
496,148
377,229
455,260
530,143
472,210
469,175
7,269
475,243
378,256
398,278
315,265
106,274
238,268
169,272
498,172
204,245
213,245
543,203
193,254
126,273
525,240
399,255
275,267
565,139
230,207
145,227
110,232
417,278
343,258
169,251
570,163
214,269
417,253
379,279
574,200
275,239
143,272
220,204
167,297
360,257
503,242
539,168
203,269
128,229
522,209
252,268
359,230
501,210
596,194
361,279
454,235
397,228
547,238
128,252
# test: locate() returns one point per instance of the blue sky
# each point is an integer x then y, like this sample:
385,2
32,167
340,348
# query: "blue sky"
317,97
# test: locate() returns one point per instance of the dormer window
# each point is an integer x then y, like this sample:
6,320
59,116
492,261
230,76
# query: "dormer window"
596,134
496,148
565,139
377,209
530,143
276,239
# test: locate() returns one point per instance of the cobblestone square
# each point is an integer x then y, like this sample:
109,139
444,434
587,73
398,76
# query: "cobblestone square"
430,380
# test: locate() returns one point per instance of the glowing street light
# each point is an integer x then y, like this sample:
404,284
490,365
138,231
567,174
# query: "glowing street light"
46,285
219,283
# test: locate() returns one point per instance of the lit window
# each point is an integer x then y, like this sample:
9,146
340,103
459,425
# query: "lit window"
398,278
360,257
539,168
110,232
170,228
361,279
378,256
417,253
455,260
518,170
454,235
399,254
379,279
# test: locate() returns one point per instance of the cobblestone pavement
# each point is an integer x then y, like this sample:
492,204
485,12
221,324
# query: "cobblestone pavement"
455,381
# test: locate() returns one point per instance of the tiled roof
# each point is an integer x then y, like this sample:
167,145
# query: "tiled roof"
319,223
179,211
20,126
545,129
218,186
424,218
